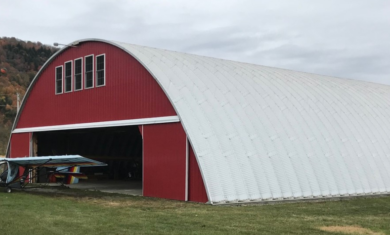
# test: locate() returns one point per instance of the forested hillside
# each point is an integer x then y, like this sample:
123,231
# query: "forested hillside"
19,62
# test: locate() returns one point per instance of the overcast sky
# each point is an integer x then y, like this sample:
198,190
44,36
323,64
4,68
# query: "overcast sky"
349,38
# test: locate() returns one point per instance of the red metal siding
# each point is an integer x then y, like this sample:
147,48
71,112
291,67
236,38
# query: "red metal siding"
164,161
130,92
196,189
20,145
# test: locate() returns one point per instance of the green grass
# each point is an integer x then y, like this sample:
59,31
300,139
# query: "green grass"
81,212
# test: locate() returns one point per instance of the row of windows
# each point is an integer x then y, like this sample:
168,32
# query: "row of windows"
72,77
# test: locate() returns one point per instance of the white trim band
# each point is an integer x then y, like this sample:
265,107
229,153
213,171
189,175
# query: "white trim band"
130,122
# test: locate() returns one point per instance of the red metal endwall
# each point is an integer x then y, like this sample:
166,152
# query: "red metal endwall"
196,188
164,161
20,145
130,92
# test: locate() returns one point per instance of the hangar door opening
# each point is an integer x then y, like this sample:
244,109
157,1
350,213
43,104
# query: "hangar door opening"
119,147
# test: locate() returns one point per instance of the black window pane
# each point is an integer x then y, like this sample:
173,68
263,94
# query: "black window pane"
100,78
100,63
59,86
59,73
77,66
78,70
78,82
89,80
100,59
77,74
68,69
89,72
68,86
68,77
88,64
59,80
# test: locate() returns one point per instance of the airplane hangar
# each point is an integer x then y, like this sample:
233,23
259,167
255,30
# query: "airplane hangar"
201,129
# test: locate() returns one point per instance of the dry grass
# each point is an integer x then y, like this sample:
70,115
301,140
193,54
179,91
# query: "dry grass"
125,202
349,230
1,156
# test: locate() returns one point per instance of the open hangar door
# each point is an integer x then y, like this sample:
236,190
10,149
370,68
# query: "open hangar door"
119,147
161,161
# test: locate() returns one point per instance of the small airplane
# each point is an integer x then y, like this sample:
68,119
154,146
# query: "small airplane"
67,167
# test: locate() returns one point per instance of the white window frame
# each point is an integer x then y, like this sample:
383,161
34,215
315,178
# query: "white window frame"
93,72
71,76
62,79
82,73
104,69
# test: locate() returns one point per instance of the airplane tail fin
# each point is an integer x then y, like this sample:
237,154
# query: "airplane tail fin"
71,174
71,178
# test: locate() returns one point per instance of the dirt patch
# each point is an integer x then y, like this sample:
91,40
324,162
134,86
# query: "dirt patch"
349,230
109,200
123,202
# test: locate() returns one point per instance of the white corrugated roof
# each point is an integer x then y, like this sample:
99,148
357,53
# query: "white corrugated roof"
262,133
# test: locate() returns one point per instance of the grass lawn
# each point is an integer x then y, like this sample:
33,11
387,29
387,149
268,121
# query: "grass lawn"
82,212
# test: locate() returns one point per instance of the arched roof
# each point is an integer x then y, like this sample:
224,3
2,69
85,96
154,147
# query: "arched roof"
262,133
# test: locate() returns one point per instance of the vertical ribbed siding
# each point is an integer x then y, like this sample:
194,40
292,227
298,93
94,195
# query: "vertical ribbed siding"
130,92
164,161
196,189
20,145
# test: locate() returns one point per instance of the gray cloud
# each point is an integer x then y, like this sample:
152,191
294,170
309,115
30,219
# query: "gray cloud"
348,38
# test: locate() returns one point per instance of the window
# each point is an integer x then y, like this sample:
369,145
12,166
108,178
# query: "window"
78,74
88,71
68,76
100,70
59,79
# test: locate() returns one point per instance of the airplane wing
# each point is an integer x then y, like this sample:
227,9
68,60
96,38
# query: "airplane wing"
13,164
55,161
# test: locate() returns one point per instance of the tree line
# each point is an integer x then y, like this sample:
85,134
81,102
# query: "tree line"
19,62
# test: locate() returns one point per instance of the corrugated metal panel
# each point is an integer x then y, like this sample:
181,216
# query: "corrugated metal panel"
196,189
164,161
262,133
20,145
130,93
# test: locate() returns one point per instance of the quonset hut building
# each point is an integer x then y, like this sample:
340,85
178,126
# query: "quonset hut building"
206,129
